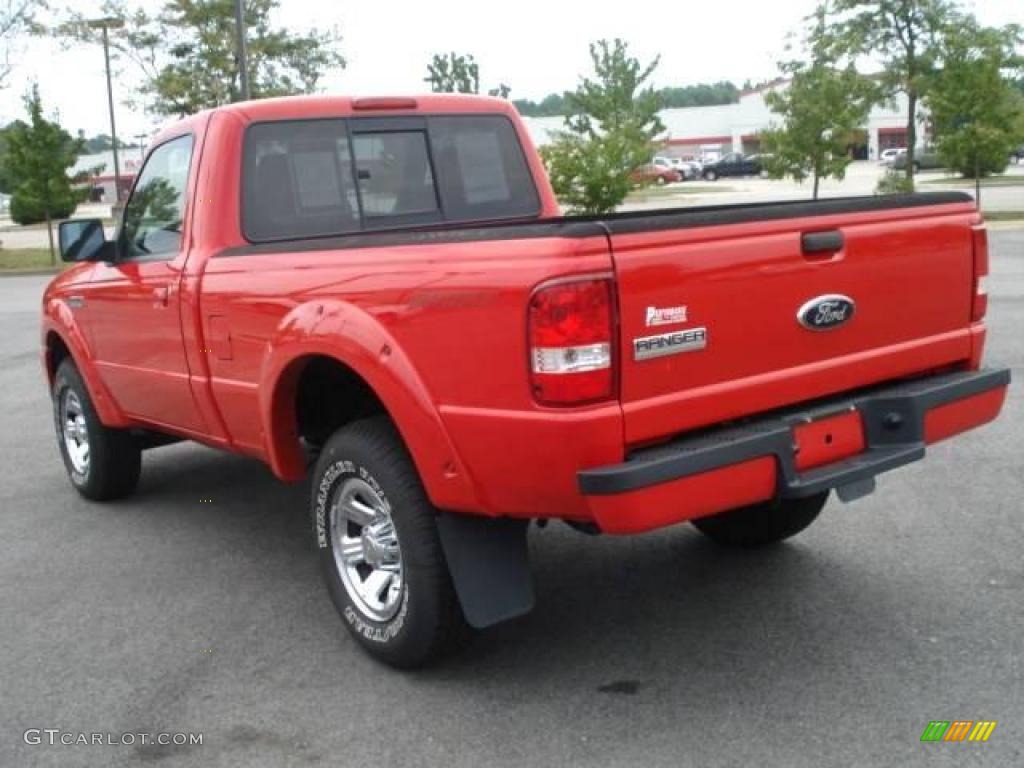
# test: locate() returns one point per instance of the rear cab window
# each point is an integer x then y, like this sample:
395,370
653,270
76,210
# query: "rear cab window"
324,177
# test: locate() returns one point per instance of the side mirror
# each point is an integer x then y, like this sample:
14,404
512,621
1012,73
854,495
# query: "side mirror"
84,240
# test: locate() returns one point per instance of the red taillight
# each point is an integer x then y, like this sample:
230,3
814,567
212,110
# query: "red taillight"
979,296
571,342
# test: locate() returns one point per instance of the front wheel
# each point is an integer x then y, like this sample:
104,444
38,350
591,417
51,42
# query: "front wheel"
102,463
380,552
710,176
761,524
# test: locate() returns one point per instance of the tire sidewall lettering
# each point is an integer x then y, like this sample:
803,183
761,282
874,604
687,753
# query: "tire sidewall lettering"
379,633
369,630
323,495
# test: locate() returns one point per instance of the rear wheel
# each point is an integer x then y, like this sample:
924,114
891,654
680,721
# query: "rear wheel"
102,463
761,524
380,552
710,176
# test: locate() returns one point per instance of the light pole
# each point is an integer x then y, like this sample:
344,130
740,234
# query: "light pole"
107,24
243,65
141,138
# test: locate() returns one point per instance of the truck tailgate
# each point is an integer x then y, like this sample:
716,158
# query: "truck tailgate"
710,303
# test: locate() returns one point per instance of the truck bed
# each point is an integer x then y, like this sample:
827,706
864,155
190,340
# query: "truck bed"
740,273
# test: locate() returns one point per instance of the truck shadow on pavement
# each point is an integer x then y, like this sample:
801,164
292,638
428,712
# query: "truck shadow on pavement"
623,618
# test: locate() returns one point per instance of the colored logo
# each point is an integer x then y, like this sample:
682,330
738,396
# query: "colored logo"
958,730
664,315
825,312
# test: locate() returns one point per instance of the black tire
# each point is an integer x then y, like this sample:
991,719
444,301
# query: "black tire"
427,621
710,176
114,456
761,524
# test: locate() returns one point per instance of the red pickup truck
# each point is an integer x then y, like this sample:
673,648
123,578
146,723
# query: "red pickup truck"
382,296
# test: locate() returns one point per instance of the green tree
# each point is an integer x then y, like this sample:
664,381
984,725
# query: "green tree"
902,36
552,105
975,109
101,142
610,131
186,53
453,73
821,109
39,155
1016,100
6,181
700,95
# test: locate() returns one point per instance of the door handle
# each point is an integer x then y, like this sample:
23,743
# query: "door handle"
76,302
822,242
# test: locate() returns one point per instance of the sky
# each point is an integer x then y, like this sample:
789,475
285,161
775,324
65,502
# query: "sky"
535,46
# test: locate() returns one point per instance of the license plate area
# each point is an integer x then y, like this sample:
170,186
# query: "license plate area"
829,439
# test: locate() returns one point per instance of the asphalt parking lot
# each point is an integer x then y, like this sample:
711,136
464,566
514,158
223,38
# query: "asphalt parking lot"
163,613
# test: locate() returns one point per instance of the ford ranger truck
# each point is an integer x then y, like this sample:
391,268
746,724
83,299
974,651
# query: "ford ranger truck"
380,296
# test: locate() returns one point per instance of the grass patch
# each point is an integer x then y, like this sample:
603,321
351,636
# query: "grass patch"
1003,215
40,226
15,259
991,181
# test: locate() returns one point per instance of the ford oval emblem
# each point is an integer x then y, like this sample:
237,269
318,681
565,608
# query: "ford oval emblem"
823,313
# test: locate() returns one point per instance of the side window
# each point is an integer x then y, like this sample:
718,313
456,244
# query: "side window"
297,181
154,214
482,169
394,173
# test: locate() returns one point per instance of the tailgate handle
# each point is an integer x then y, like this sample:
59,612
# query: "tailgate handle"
822,242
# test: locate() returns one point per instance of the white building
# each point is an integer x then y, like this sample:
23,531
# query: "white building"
708,132
100,166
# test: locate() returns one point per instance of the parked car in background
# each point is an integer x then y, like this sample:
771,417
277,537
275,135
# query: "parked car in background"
655,173
691,169
696,162
732,164
924,160
685,169
760,158
1017,155
888,155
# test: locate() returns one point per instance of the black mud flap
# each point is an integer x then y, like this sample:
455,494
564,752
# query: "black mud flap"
488,561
